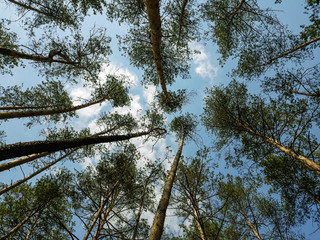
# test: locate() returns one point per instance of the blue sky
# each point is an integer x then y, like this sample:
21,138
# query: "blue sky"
205,72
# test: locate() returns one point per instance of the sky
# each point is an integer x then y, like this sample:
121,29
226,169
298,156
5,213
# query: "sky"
205,72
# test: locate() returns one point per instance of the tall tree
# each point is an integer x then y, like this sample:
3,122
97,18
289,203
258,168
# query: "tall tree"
39,211
232,113
184,126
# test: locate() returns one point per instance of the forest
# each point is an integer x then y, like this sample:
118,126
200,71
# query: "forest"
159,119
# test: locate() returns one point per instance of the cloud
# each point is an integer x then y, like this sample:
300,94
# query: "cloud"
204,67
119,70
149,93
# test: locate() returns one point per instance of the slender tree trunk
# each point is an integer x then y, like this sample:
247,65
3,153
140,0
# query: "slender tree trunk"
135,230
199,224
99,212
20,161
153,12
183,8
236,10
313,166
43,112
302,186
105,216
17,183
16,228
37,58
159,218
292,50
26,148
256,233
32,227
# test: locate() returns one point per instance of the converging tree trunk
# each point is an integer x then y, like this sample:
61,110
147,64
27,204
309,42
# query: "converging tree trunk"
17,183
16,228
292,50
313,166
99,212
153,11
253,229
199,223
26,148
43,112
159,218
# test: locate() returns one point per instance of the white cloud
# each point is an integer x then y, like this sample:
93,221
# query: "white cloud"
202,59
134,108
149,93
119,70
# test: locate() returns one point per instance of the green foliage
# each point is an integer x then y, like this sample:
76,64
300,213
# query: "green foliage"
313,30
8,40
49,198
84,55
45,95
234,115
177,100
58,13
185,124
114,89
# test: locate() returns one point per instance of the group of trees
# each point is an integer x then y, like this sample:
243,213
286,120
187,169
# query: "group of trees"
270,136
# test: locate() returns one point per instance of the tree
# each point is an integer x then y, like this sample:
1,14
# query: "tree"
40,211
195,191
275,131
232,113
262,216
184,126
109,194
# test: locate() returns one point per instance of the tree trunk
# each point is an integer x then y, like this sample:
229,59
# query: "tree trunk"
292,50
99,212
313,166
104,220
16,228
17,183
20,161
36,113
32,227
135,231
37,58
26,148
236,11
199,224
153,12
159,218
251,225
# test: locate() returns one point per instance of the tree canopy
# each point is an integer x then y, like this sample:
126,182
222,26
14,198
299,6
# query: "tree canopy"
115,123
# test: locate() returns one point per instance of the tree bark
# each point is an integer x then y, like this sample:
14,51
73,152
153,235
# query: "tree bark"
313,166
199,224
36,113
16,228
99,212
236,11
184,5
255,232
153,12
32,227
135,231
292,50
17,183
27,148
104,220
20,161
37,58
159,218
